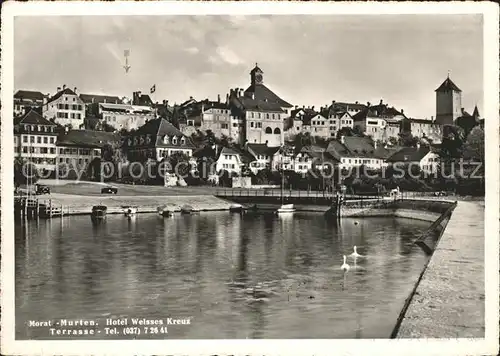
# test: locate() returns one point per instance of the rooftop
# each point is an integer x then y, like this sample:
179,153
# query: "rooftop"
448,85
87,138
33,118
29,95
95,98
409,154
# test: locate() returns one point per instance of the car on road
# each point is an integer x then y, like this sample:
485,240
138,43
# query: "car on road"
441,193
109,190
41,189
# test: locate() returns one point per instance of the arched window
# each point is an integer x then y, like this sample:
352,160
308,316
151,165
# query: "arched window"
277,131
269,130
165,139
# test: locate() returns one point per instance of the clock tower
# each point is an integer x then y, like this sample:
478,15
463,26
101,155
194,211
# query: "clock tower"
257,75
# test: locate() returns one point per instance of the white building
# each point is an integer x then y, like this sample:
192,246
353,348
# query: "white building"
35,140
229,160
65,108
25,100
128,117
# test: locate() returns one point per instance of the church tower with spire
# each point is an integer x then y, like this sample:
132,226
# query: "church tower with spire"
448,102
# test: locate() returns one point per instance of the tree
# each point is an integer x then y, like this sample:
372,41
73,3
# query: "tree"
179,163
25,172
406,139
393,141
474,149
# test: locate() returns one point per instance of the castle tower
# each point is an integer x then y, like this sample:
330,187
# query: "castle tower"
448,103
256,75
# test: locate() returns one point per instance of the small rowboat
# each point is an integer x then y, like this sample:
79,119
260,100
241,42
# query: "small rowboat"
286,209
163,211
236,208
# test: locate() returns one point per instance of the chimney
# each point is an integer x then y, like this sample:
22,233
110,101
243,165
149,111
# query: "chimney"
402,111
303,106
218,98
190,98
342,139
356,102
64,86
312,108
242,93
368,103
58,89
381,101
333,102
432,118
296,107
46,98
227,98
75,90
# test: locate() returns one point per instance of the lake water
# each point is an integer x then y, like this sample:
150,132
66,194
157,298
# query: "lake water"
233,276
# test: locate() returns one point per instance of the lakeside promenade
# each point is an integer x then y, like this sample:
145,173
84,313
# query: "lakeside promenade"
450,299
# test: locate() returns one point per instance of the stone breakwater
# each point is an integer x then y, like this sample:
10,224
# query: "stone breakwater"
77,204
449,299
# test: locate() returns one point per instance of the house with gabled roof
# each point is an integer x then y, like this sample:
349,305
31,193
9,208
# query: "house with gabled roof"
380,122
263,156
424,156
310,157
157,139
25,100
35,140
353,151
230,160
65,108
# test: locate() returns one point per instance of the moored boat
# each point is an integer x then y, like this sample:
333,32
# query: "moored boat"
164,211
236,208
188,209
99,211
286,209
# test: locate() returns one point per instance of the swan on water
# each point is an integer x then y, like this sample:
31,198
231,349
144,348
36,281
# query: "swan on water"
355,253
345,267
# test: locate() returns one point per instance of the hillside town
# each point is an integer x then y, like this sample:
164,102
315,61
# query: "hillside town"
250,132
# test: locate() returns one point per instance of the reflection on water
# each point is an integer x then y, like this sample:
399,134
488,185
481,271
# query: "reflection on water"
236,276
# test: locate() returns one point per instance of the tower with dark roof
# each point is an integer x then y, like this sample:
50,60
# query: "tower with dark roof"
448,102
256,75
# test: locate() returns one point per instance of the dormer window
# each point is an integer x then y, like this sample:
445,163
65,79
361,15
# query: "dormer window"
174,140
166,140
141,140
129,141
148,139
135,140
183,141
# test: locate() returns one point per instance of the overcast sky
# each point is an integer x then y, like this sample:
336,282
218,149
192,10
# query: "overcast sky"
307,60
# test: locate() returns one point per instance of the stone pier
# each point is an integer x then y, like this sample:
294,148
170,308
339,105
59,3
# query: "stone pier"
449,300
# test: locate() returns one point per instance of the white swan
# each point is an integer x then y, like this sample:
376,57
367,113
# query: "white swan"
355,254
345,267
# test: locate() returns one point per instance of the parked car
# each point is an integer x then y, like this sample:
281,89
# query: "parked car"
441,193
109,190
41,189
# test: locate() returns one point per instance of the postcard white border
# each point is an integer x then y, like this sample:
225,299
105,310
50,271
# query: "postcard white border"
488,345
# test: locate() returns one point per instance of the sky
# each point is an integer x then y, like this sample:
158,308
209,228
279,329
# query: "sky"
307,60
